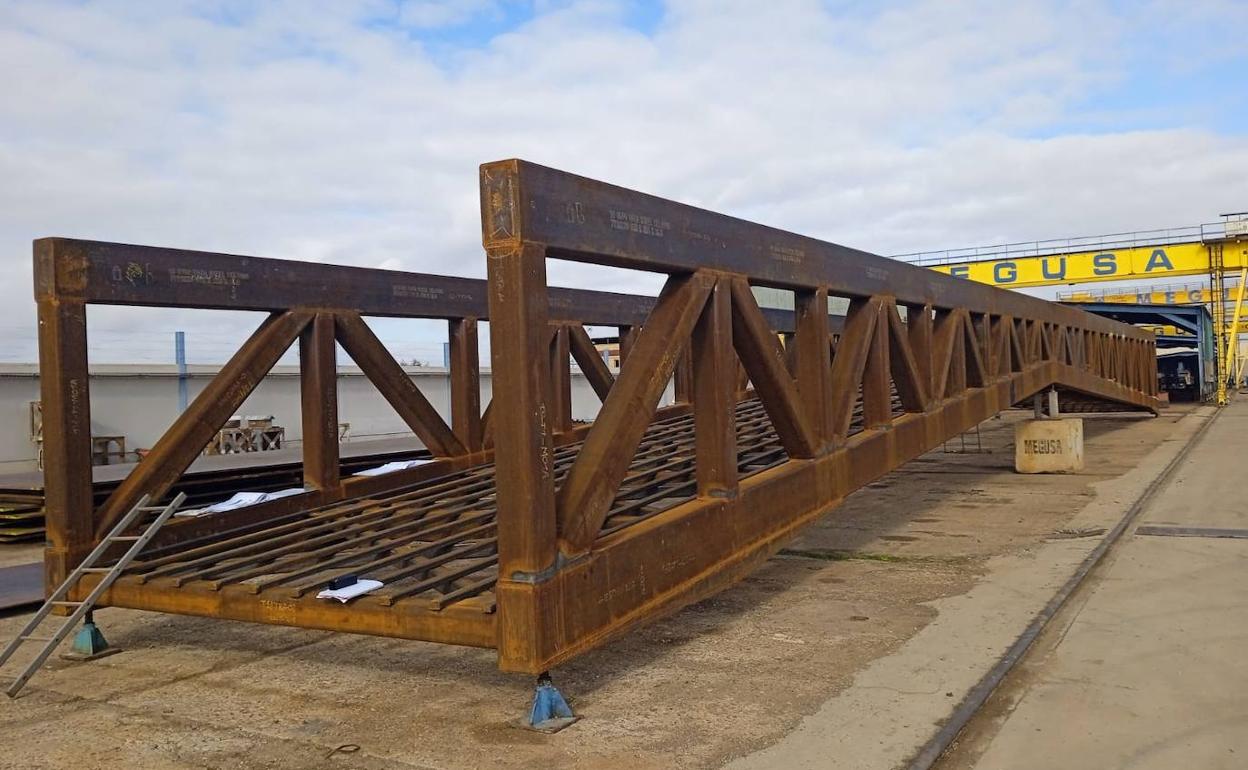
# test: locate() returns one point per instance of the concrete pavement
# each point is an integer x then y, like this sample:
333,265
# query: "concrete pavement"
896,704
1150,669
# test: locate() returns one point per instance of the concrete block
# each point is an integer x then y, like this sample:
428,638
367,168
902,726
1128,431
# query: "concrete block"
1048,446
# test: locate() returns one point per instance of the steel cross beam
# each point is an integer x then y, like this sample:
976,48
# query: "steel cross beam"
100,273
921,357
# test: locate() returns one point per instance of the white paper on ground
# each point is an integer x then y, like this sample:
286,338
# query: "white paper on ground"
397,465
344,595
242,500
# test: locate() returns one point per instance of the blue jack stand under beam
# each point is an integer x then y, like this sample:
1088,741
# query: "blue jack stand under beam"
550,712
89,642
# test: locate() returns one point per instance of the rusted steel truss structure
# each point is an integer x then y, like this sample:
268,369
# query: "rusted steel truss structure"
528,532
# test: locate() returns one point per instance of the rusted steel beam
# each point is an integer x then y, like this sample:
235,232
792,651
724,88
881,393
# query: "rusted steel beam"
977,374
463,625
850,362
788,342
590,360
682,377
759,351
318,383
1018,357
603,460
66,399
121,274
625,228
174,452
560,379
98,272
999,343
487,425
402,535
628,338
947,333
465,382
522,423
593,308
179,531
919,335
519,352
705,555
811,364
909,377
944,379
956,382
877,400
743,379
396,386
714,367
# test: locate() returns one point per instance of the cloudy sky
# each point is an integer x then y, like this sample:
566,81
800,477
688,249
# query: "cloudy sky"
349,131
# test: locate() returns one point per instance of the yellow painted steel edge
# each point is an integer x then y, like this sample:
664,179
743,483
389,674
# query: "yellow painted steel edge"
1232,340
1084,267
1187,295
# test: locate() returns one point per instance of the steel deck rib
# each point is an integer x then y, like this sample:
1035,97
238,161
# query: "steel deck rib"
434,544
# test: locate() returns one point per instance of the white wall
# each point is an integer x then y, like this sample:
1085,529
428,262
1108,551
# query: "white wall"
140,402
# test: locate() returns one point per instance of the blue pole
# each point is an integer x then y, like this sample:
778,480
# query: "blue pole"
179,352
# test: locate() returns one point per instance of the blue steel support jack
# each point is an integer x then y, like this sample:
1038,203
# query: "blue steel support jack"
89,642
550,712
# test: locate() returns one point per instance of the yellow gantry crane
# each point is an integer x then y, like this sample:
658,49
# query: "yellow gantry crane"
1182,294
1209,249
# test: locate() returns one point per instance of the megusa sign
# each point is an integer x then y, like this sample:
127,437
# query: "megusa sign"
1089,266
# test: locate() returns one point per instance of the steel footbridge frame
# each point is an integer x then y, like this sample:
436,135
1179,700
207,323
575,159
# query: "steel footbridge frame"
528,532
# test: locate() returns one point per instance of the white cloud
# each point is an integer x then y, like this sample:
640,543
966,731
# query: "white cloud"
294,129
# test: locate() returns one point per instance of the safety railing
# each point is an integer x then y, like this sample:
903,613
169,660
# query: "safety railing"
1056,246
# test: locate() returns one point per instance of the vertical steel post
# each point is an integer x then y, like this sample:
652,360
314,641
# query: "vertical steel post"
318,386
682,386
524,452
813,364
462,360
714,398
65,394
628,338
520,357
560,379
877,375
919,333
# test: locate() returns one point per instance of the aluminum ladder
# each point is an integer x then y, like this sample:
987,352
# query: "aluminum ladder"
110,574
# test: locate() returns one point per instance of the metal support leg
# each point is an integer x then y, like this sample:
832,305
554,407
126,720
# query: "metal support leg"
1037,404
89,643
550,713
